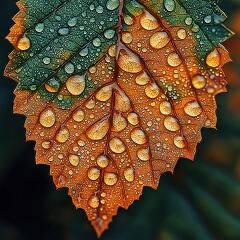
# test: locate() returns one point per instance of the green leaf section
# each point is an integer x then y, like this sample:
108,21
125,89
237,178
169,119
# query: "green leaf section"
69,36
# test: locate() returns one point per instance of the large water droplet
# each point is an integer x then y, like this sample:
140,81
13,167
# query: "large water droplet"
193,109
144,154
148,21
213,59
169,5
74,160
47,118
110,179
116,145
102,161
93,201
159,40
63,135
98,130
165,108
93,173
24,43
171,124
76,84
129,174
198,81
174,60
129,62
138,136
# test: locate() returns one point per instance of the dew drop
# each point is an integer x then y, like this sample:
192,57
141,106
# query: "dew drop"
181,33
109,34
179,142
76,84
129,174
169,5
63,31
138,136
52,85
127,37
93,202
122,102
159,40
24,43
112,4
63,135
144,154
142,79
198,81
47,118
213,59
39,27
119,122
171,124
148,21
78,115
72,22
102,161
104,94
152,90
165,108
98,130
73,159
193,109
46,144
116,145
93,173
174,59
129,62
110,179
133,118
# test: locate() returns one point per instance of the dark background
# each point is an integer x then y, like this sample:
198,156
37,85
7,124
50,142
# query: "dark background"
201,200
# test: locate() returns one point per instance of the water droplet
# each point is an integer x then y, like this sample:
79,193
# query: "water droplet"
90,104
102,161
193,109
63,135
47,118
98,130
96,42
72,22
84,52
122,102
78,115
127,37
52,85
152,90
133,118
93,173
171,124
112,51
181,33
76,84
199,81
116,145
148,21
39,27
104,94
208,19
188,21
110,179
142,79
63,31
112,4
73,159
174,60
138,136
128,19
179,142
93,201
24,43
213,58
165,108
129,174
109,34
159,40
69,68
169,5
46,60
129,62
144,154
81,143
119,122
46,144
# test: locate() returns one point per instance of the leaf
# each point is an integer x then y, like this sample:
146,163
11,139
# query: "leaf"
115,92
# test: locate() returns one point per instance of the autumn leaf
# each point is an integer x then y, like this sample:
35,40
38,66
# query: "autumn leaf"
116,91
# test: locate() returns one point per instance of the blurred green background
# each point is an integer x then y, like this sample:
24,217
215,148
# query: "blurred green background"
201,200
